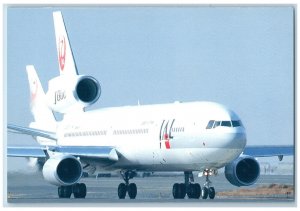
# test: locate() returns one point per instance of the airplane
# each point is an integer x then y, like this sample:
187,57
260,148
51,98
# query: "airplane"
180,137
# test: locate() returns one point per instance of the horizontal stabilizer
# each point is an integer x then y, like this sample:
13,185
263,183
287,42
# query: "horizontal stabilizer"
31,131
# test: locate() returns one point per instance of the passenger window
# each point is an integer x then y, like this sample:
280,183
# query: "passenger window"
226,123
217,124
210,124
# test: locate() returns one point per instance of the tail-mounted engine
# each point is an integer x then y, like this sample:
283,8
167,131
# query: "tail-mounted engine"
68,92
243,171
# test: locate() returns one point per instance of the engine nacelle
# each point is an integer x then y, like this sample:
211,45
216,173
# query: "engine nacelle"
62,170
67,92
243,171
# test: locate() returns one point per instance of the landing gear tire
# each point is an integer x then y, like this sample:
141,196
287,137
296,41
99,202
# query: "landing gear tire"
190,191
204,193
182,191
175,190
127,187
179,191
122,191
193,191
211,193
64,191
197,191
79,190
132,190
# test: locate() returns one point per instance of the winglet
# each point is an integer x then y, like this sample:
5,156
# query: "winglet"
66,61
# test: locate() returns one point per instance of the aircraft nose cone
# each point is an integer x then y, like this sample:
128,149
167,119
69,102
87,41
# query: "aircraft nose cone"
236,139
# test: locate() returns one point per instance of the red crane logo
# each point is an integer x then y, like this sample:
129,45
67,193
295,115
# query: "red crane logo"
62,52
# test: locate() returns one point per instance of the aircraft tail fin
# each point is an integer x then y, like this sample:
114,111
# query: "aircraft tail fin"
67,65
41,112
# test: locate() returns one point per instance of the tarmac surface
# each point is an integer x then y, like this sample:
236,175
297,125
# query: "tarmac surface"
33,190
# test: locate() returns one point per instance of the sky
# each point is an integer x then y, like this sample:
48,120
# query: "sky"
239,56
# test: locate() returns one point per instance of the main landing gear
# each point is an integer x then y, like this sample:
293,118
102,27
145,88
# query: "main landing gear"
193,190
78,189
127,187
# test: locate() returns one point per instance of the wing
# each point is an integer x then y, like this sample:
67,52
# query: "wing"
31,131
95,153
269,151
26,151
86,152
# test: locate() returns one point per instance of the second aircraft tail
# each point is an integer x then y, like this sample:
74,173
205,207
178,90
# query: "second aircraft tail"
42,114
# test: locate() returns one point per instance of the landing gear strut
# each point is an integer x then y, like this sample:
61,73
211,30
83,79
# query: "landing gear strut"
127,187
78,189
207,190
192,190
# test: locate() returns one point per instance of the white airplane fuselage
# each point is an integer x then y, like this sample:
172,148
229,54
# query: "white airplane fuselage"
163,137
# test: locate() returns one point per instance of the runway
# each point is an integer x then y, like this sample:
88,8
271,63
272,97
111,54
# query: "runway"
32,190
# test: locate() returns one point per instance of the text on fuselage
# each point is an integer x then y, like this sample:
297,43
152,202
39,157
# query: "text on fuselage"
59,95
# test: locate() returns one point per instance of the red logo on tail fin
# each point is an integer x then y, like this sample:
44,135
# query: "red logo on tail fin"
62,52
34,90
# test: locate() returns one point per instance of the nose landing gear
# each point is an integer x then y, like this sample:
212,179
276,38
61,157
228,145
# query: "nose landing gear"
207,190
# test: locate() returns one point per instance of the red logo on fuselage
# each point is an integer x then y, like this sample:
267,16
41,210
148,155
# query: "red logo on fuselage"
167,141
62,52
165,133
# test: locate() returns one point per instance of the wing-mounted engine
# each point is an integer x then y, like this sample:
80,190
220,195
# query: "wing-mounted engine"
62,170
243,171
68,92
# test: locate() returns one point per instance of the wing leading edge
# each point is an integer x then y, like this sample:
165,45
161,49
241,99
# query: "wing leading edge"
269,151
99,153
26,151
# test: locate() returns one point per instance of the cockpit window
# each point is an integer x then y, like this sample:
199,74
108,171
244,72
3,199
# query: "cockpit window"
210,124
234,123
217,124
226,123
